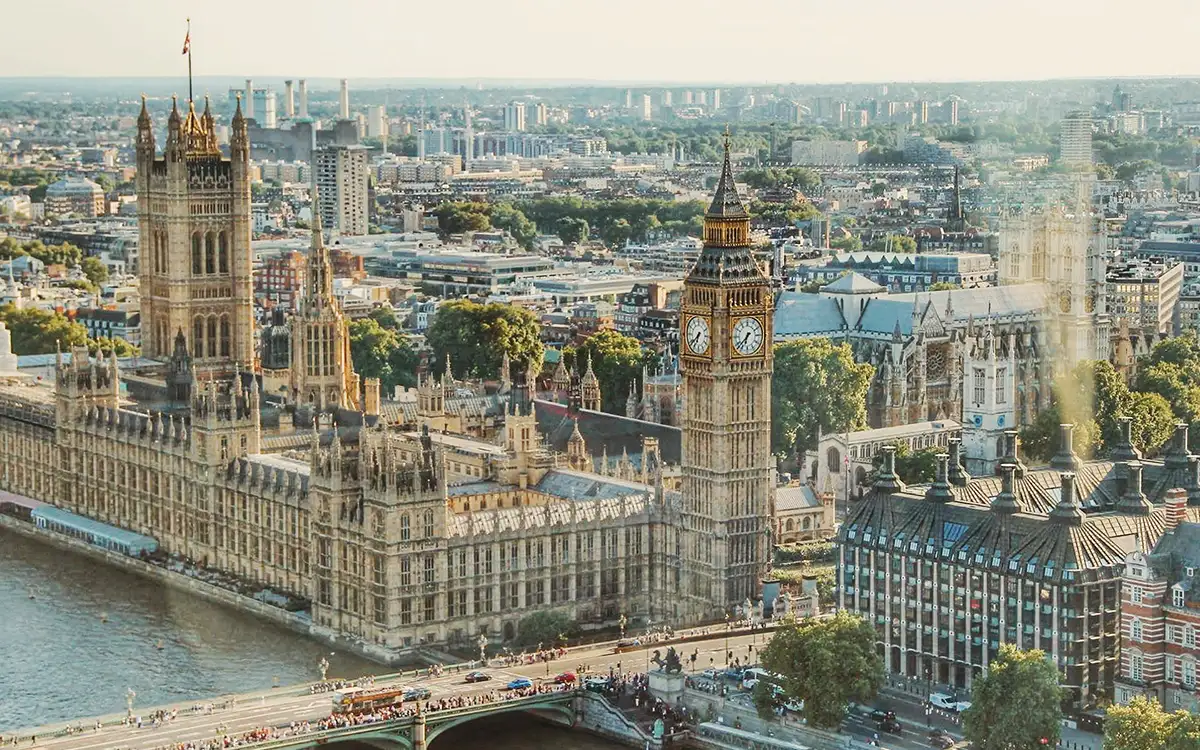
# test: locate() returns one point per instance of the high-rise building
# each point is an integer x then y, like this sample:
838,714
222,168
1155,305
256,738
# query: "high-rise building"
194,234
322,374
342,177
953,109
541,114
923,112
716,102
377,123
628,98
688,98
668,98
702,98
647,108
726,363
1075,139
264,108
514,117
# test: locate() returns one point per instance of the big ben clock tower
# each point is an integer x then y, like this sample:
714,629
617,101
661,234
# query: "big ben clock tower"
726,361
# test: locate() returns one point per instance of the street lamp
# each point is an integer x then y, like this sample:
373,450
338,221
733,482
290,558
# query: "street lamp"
622,622
727,639
130,695
482,642
323,665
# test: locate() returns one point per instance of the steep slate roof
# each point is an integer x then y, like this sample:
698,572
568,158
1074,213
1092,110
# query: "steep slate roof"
807,314
853,283
603,431
501,520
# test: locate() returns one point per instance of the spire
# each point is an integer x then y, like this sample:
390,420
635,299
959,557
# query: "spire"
726,203
144,116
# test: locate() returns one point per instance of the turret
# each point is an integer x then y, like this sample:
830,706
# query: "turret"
145,143
239,136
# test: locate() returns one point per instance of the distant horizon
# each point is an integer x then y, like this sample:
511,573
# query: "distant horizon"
619,42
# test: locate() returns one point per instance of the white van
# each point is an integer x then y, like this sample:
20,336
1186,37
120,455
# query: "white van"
751,677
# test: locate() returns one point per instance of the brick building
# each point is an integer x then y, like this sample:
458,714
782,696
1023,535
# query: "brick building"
1160,613
280,278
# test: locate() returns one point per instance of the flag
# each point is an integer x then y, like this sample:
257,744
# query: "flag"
187,43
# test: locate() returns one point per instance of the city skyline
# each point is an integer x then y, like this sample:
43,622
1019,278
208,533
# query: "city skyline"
644,42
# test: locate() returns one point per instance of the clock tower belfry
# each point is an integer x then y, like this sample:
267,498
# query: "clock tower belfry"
726,362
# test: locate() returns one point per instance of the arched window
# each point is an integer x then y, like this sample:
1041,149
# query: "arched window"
1039,262
197,255
833,460
198,337
224,335
789,526
428,524
1135,630
223,252
210,252
404,527
211,336
807,523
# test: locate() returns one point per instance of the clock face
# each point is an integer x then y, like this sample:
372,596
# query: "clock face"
697,335
747,336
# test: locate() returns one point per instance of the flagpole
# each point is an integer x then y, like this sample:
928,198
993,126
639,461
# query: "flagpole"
189,51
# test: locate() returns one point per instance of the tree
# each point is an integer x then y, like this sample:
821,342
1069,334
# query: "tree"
36,331
1017,704
1039,440
913,467
1144,725
379,352
943,286
546,627
826,663
1153,423
460,217
385,316
850,243
477,336
617,233
508,217
617,361
572,230
817,388
765,702
895,243
104,345
95,270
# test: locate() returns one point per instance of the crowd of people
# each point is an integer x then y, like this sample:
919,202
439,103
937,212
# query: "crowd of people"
328,686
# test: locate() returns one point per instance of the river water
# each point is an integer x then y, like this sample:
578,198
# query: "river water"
75,635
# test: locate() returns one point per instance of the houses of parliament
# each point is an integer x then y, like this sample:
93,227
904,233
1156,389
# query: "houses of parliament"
403,526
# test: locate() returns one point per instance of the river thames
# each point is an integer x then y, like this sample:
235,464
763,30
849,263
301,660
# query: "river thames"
75,635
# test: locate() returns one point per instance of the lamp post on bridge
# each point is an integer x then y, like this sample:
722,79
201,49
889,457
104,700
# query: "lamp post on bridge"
622,622
323,665
482,642
130,695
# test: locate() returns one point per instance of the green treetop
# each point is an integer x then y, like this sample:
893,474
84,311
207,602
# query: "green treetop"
1017,705
817,388
476,337
617,361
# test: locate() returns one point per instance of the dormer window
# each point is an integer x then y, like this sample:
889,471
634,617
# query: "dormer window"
1177,597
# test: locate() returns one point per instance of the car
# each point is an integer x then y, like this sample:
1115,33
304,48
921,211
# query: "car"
564,678
478,677
947,702
417,694
519,683
890,725
596,684
940,739
880,714
711,673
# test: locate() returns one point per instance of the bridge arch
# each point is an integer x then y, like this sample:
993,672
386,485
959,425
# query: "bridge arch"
560,714
382,740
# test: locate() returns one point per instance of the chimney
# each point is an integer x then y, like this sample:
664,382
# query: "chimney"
344,101
303,98
248,104
1010,454
1067,511
289,101
939,491
1065,459
1124,451
1177,457
371,397
1133,501
958,475
1006,501
1176,508
886,480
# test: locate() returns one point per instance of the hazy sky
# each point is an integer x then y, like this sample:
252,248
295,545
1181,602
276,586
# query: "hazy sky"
616,40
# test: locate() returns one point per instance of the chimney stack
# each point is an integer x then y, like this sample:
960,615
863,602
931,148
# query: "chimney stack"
1133,501
303,98
344,101
1006,501
1065,459
1124,451
886,480
289,101
1067,510
1176,508
958,475
1177,457
248,104
940,491
371,397
1010,453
